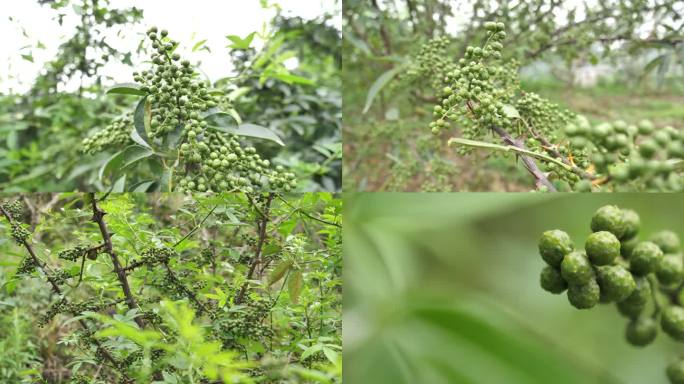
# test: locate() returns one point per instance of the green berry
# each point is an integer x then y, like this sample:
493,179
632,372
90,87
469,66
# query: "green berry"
576,268
672,322
632,224
645,258
635,303
641,331
553,246
648,148
602,248
616,283
670,270
645,127
627,247
551,280
668,241
584,296
675,371
609,218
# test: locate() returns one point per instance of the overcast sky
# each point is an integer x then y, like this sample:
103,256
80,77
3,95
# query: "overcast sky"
188,22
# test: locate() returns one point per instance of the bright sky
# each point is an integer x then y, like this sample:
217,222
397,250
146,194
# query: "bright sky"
187,22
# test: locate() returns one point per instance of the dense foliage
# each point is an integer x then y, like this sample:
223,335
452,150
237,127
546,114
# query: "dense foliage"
277,128
472,69
616,267
135,288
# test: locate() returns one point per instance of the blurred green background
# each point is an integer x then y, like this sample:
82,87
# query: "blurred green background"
444,288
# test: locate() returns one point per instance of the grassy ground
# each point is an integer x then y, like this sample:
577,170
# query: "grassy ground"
401,155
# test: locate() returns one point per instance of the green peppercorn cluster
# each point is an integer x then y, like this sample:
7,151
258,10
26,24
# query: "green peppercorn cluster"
116,135
243,322
542,116
19,233
615,266
14,208
471,88
27,266
430,62
177,106
212,161
73,254
156,256
633,156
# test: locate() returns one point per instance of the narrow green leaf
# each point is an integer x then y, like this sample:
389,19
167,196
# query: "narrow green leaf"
120,185
279,271
198,45
141,120
222,121
294,286
380,83
126,89
292,79
122,159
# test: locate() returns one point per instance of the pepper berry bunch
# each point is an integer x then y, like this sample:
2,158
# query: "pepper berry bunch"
116,134
430,62
615,266
634,156
176,112
480,94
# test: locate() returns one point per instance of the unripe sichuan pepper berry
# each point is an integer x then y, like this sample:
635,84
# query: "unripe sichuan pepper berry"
641,331
553,246
668,241
602,248
627,247
675,371
552,281
672,322
576,268
632,224
616,283
645,258
584,296
671,270
635,303
609,218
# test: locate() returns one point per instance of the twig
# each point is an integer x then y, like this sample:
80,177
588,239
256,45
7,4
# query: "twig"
261,227
310,216
196,228
98,217
525,155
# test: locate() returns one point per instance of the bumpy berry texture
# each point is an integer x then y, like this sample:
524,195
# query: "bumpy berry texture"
602,247
616,283
635,303
646,282
611,219
554,245
672,322
645,258
668,241
584,296
576,269
671,270
552,281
